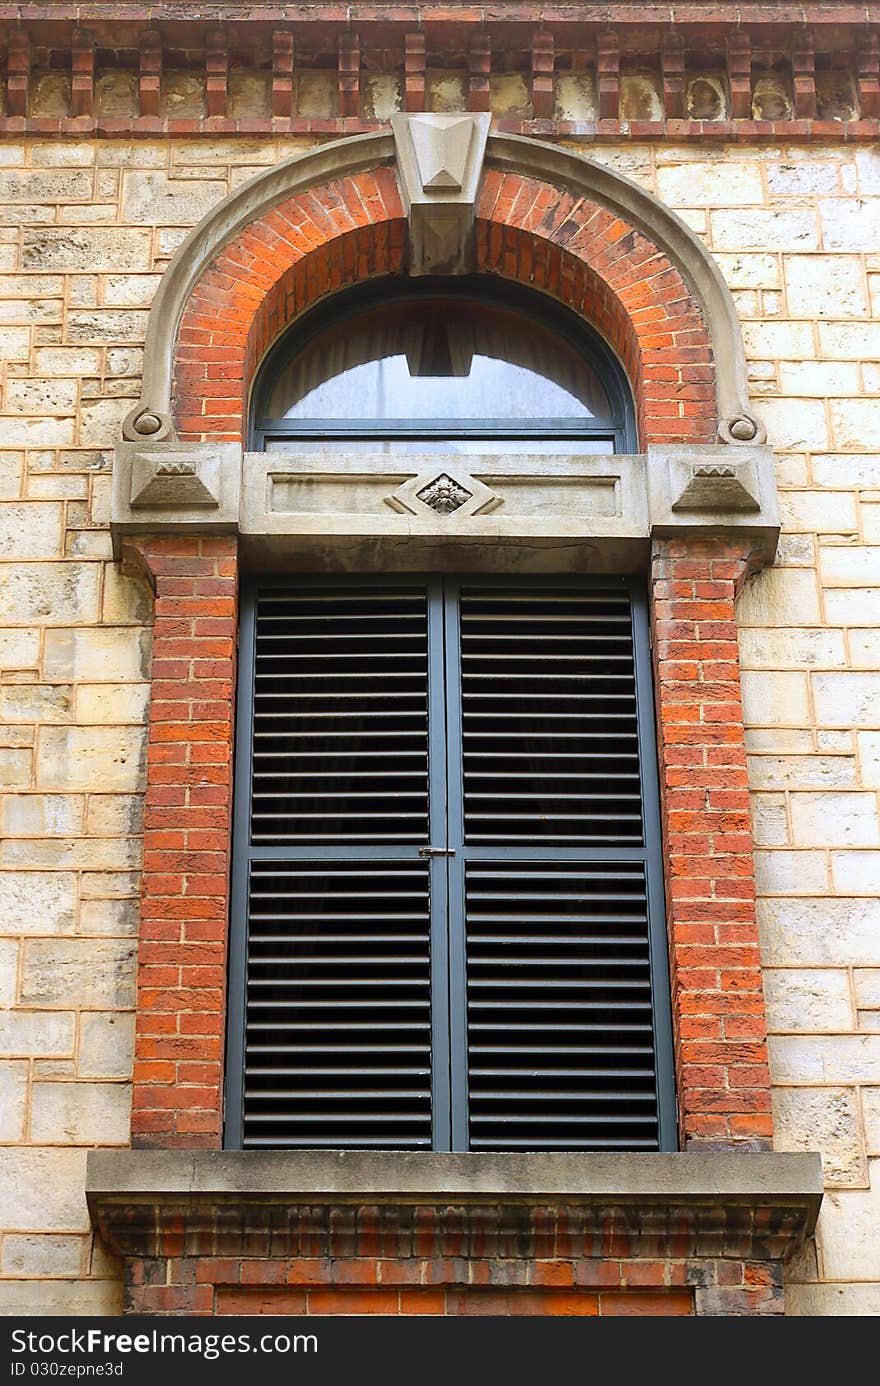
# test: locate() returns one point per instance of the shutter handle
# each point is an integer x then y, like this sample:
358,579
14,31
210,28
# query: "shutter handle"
436,851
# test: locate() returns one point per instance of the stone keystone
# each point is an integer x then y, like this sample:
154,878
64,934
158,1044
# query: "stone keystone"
441,153
439,163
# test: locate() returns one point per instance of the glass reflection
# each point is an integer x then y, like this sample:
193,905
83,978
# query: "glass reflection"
438,360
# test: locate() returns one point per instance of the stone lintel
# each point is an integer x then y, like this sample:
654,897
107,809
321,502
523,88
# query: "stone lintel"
535,512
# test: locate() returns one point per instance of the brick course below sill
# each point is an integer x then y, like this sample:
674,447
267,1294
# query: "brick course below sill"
327,1232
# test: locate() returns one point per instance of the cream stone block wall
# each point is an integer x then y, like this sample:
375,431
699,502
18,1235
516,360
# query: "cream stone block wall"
85,233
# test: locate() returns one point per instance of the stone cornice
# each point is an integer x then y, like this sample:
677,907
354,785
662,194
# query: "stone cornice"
625,13
780,72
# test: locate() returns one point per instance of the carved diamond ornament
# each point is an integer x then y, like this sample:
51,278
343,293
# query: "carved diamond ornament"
444,495
430,494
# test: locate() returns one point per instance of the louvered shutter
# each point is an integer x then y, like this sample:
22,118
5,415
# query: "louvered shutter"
448,876
338,1003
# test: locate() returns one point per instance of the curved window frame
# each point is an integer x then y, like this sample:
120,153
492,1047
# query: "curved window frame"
479,290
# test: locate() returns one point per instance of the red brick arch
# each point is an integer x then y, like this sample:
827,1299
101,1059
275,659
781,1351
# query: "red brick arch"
354,228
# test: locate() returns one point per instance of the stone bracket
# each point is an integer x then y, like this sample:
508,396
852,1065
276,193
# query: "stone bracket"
439,161
163,487
712,489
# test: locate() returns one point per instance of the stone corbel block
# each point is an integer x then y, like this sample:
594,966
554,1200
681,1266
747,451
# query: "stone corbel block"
712,489
168,488
440,158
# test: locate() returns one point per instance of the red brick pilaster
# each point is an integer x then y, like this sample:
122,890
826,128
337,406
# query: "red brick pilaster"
717,1000
178,1071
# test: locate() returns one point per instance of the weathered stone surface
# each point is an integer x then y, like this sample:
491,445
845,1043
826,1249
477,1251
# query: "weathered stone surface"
109,917
99,653
695,184
43,1256
775,699
871,1113
780,597
82,757
847,699
850,224
13,1099
32,1033
77,972
850,1300
37,703
94,249
769,820
37,902
835,820
803,772
760,648
153,198
827,1120
795,423
827,1059
866,982
60,1297
791,873
80,1113
831,932
825,286
44,815
42,593
43,1188
755,228
847,1234
808,1000
854,423
106,1040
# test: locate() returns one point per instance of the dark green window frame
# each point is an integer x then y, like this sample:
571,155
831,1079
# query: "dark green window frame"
474,290
449,1062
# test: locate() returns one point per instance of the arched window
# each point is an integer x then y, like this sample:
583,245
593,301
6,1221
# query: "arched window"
455,366
448,922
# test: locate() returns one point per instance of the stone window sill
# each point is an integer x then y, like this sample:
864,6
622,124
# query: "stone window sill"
745,1204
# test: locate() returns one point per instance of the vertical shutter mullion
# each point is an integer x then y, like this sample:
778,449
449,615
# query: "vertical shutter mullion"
456,868
441,1098
661,1008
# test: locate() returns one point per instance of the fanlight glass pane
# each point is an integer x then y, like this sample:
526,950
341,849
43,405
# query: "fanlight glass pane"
436,359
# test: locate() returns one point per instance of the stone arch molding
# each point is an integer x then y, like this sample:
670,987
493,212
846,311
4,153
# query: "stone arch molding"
454,184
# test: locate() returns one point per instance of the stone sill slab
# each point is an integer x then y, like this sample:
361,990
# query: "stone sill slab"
148,1203
793,1181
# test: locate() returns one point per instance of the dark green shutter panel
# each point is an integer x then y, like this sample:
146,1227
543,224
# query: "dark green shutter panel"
449,900
549,718
341,717
560,1036
339,1006
338,1019
560,1040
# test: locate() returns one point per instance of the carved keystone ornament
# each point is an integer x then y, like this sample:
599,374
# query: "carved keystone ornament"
440,159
